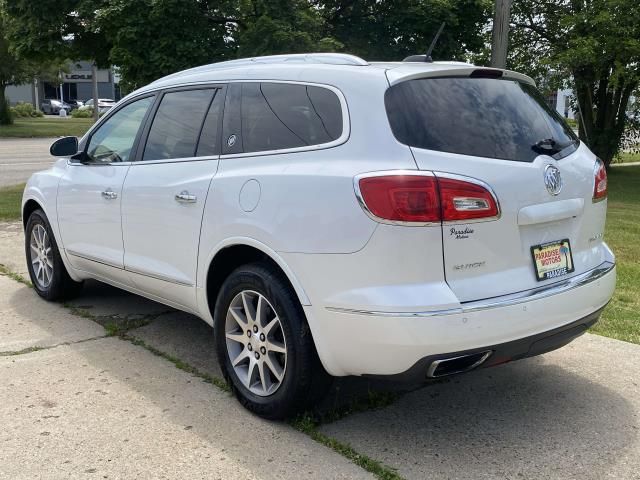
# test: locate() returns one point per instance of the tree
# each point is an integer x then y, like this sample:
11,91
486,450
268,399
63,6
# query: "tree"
153,38
13,70
47,30
393,30
268,27
592,46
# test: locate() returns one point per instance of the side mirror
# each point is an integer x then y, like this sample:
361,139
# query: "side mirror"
64,147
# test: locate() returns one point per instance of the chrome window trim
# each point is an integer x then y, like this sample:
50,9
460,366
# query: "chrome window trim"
501,301
177,160
346,119
346,123
423,173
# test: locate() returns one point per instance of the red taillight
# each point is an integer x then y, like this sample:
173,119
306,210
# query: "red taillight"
462,200
401,198
411,198
600,181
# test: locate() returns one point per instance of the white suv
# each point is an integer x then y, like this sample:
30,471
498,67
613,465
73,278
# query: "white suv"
326,214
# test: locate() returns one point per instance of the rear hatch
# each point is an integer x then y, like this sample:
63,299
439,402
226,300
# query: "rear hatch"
499,130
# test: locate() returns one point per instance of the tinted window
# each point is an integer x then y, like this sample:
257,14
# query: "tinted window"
476,116
176,125
209,143
114,139
278,116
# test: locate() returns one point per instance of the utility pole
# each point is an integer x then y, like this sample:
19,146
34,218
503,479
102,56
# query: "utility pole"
500,34
94,88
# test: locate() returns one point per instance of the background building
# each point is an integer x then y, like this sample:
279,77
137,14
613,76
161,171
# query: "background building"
76,85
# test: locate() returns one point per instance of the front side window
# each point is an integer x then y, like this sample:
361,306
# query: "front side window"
177,123
484,117
278,116
114,139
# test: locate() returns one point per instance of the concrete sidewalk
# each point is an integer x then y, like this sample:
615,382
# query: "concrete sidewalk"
90,405
75,402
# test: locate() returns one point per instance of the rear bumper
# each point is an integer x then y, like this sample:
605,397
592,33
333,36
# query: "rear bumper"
505,352
357,342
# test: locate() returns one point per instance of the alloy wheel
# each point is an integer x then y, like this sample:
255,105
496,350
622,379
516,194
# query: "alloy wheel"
256,344
41,256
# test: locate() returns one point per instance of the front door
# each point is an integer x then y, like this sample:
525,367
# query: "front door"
165,193
90,193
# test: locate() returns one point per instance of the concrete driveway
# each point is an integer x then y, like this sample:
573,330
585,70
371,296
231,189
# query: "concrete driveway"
76,403
20,157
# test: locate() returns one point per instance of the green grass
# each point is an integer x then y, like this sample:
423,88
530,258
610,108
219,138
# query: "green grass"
621,318
15,276
46,127
10,200
627,157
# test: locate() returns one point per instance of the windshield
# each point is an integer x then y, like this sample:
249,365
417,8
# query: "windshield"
484,117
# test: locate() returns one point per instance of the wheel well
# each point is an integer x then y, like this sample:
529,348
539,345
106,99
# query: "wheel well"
28,209
230,258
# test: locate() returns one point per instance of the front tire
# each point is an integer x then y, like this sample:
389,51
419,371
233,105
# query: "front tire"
48,274
264,344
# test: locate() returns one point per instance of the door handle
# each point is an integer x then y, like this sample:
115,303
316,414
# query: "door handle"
185,197
109,194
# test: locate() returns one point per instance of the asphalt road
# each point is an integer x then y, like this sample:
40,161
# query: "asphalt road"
20,157
76,403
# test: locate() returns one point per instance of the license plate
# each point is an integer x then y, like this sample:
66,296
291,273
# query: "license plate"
552,259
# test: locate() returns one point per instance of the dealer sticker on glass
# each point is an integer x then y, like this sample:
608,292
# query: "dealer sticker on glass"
552,260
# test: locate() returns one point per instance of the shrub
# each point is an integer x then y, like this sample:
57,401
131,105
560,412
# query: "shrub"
23,109
86,113
572,122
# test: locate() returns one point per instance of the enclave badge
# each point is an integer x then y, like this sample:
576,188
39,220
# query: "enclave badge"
553,180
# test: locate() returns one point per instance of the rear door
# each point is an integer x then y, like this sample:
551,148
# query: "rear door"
165,192
502,133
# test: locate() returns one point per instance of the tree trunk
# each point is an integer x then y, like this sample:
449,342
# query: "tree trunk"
5,114
94,85
603,110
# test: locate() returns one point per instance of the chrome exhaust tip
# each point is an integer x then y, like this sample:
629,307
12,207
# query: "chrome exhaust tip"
458,364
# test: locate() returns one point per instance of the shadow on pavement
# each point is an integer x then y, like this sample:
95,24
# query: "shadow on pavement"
529,419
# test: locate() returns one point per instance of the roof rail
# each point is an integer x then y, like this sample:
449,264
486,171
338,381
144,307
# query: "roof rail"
326,58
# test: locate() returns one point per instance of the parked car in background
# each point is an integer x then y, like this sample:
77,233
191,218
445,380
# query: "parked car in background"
75,104
53,107
104,104
326,214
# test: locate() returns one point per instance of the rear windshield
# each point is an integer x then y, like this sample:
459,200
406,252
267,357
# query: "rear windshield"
485,117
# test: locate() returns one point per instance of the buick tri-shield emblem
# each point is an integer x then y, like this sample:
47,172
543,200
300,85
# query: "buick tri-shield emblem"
552,180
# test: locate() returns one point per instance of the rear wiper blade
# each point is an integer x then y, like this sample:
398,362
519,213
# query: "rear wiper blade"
546,146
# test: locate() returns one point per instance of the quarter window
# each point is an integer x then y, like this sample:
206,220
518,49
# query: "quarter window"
277,116
209,143
176,126
114,139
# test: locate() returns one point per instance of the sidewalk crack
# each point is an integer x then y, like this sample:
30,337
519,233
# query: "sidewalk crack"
11,353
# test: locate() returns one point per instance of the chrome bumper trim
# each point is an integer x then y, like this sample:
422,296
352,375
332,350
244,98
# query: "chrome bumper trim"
501,301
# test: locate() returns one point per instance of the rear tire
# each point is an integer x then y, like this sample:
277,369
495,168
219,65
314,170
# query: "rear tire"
268,356
48,274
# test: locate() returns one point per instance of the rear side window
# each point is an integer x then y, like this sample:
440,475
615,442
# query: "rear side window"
176,126
484,117
278,116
